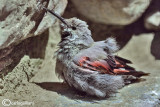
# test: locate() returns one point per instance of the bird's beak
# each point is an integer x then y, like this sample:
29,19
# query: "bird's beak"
56,15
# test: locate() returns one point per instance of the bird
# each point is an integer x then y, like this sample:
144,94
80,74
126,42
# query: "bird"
91,66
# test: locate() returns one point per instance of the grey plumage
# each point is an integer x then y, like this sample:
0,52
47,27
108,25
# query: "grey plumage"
76,43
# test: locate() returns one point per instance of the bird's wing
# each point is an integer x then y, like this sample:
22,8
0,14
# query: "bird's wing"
97,59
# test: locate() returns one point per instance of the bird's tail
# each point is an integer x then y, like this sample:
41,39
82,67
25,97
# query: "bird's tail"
122,68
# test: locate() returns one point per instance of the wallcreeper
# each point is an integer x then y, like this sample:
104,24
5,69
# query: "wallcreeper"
91,66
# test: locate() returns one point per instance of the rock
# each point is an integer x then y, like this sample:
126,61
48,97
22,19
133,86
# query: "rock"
152,16
115,12
1,84
152,22
34,47
155,46
21,74
21,19
150,99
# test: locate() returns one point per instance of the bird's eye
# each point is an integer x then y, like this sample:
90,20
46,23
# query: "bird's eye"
74,28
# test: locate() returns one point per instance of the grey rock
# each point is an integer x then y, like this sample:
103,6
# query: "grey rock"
150,99
21,74
34,47
152,22
116,12
21,19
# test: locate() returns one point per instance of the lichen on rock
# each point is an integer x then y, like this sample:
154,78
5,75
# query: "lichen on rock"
21,74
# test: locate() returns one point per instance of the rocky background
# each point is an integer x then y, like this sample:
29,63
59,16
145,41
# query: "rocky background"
28,38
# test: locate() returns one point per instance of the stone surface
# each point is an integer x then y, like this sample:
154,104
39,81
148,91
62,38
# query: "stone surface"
34,47
152,16
152,22
114,12
21,19
19,76
155,46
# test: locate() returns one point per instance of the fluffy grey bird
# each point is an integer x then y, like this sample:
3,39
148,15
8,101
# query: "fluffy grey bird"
91,66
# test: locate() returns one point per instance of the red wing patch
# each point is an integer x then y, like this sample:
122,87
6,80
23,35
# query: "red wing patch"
82,60
111,65
119,71
102,66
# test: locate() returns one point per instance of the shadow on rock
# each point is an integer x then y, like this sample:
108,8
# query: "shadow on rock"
155,46
34,47
65,90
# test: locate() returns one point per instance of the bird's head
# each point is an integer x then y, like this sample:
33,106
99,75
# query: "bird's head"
74,30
